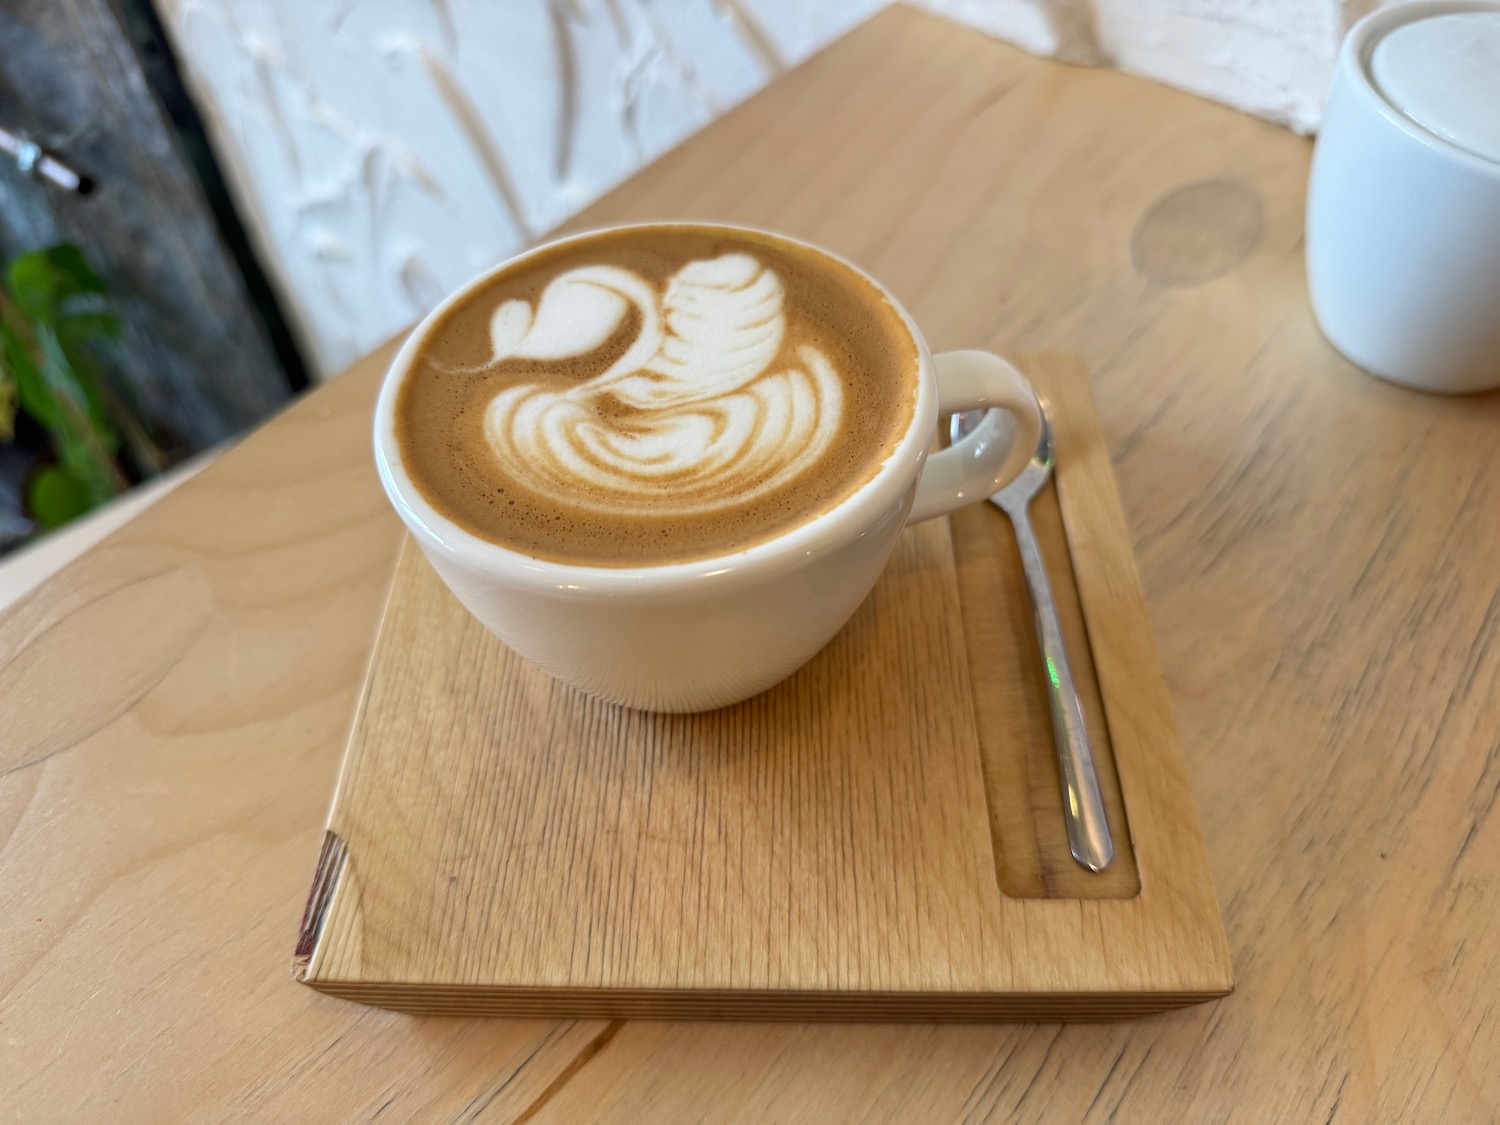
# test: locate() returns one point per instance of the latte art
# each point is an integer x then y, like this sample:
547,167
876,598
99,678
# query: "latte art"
709,421
655,394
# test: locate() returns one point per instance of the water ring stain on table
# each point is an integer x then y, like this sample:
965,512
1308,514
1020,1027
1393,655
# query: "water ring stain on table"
1197,233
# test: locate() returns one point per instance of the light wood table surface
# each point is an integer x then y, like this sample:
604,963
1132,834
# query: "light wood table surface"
1321,554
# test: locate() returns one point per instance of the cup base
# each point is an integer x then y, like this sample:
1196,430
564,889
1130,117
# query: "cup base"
1447,385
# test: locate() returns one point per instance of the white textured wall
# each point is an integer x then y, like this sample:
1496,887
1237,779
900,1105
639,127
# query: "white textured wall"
1272,58
384,151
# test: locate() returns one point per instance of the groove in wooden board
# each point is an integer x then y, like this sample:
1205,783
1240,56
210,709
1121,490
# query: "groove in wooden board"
822,850
1022,784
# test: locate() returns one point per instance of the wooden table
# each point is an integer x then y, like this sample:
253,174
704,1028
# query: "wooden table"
1320,553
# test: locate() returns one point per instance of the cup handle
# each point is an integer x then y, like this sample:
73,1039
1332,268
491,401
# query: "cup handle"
987,459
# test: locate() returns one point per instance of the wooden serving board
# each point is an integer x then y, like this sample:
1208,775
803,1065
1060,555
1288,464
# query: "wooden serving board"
879,837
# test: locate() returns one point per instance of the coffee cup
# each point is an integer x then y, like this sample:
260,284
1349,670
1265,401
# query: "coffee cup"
1403,206
694,633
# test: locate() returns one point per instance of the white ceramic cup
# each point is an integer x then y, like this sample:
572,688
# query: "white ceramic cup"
692,636
1403,224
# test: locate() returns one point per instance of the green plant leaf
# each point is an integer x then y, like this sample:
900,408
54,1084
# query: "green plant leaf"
36,397
73,270
43,280
88,326
51,323
33,285
85,340
77,393
87,464
57,496
50,390
8,405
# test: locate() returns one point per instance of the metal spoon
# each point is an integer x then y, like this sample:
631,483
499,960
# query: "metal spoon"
1089,837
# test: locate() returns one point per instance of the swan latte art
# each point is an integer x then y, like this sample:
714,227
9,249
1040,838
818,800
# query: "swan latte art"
655,394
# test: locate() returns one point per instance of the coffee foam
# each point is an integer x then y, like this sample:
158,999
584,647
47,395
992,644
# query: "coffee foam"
681,393
711,422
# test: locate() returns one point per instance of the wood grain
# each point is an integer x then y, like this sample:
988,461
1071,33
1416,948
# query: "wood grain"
1318,552
176,702
502,844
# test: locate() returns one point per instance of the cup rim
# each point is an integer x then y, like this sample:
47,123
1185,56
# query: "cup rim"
1356,56
889,488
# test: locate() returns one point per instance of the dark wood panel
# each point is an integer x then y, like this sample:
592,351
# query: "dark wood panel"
196,354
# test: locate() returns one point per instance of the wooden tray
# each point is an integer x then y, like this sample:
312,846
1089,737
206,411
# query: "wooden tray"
880,837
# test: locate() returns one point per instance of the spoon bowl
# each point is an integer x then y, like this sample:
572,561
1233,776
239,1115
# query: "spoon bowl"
1033,478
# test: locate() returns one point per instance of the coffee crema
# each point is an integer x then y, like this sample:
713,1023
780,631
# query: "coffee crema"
655,394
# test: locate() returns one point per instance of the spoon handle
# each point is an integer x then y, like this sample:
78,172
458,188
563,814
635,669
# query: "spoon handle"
1089,837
